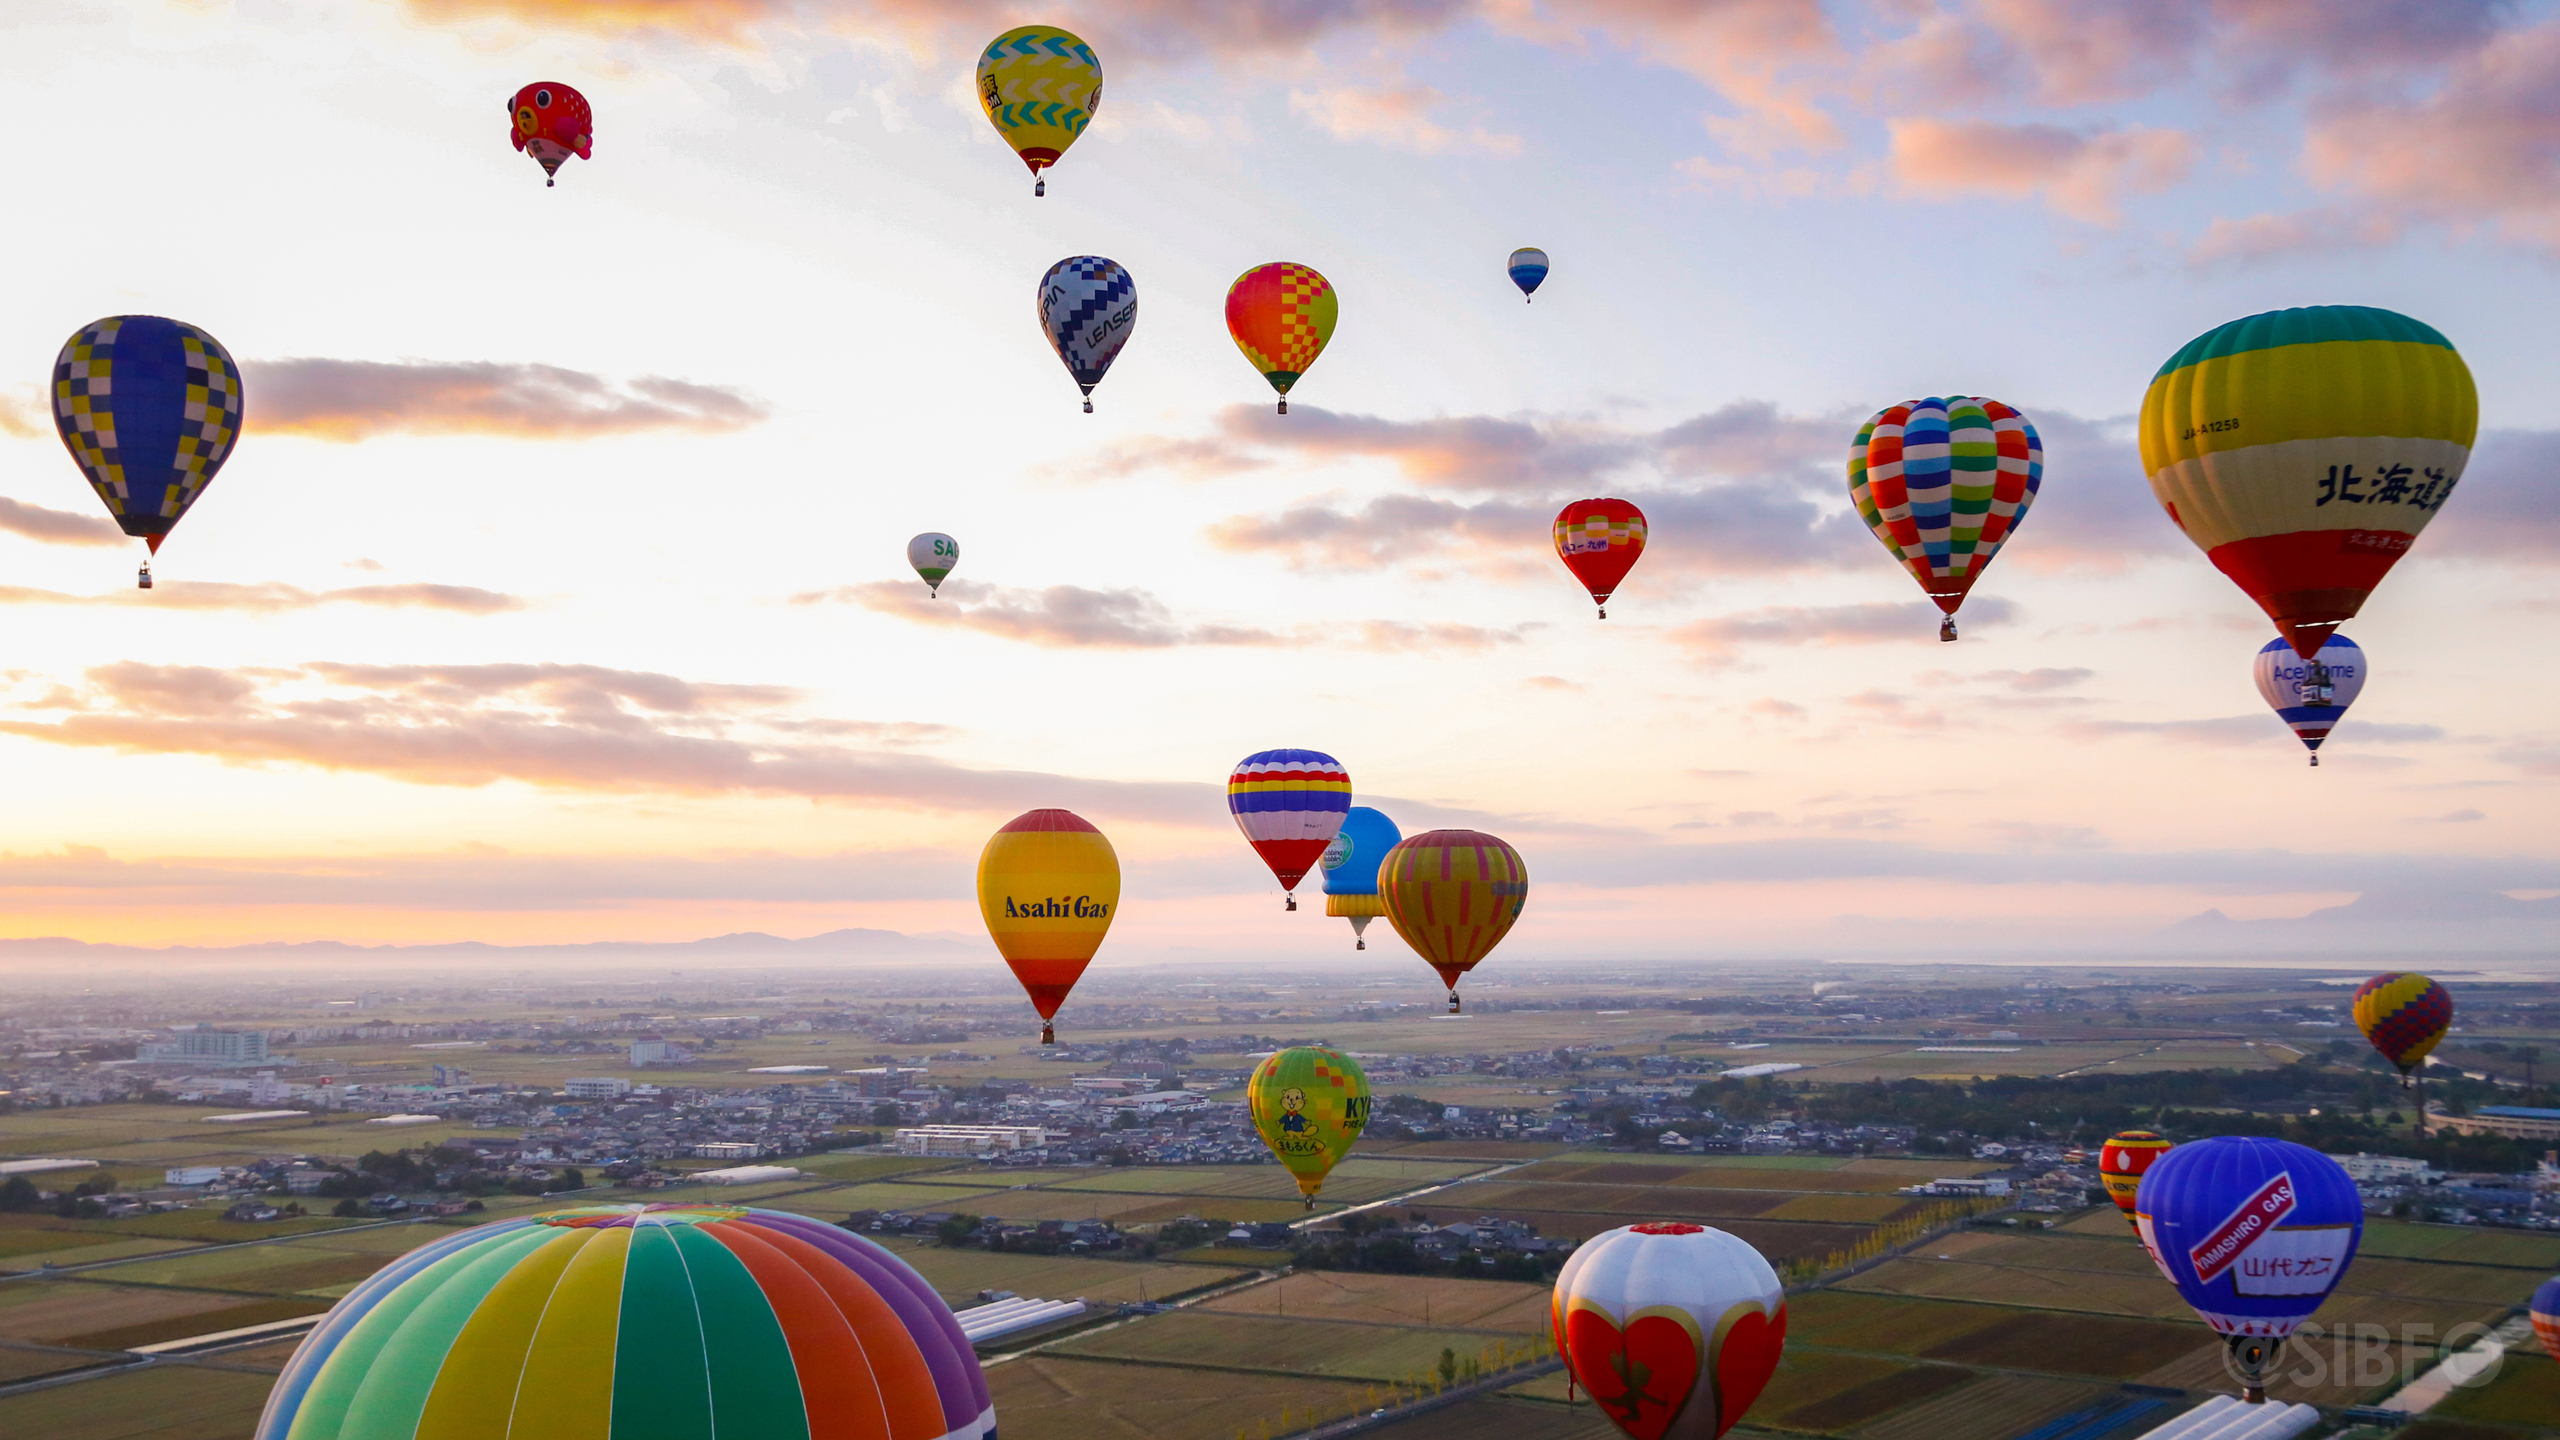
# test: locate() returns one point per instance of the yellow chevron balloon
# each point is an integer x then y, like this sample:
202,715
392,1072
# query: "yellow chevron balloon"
1040,86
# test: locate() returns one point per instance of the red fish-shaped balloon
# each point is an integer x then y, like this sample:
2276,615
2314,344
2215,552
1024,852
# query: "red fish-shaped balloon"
551,122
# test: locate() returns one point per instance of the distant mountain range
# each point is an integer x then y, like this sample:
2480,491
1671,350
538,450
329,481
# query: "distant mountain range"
2396,921
746,947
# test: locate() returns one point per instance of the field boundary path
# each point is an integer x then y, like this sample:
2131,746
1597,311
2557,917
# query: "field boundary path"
1499,1380
1431,1189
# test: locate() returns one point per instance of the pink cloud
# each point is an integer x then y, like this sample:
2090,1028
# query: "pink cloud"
273,597
1073,615
1722,637
562,727
349,400
1398,116
58,527
2079,173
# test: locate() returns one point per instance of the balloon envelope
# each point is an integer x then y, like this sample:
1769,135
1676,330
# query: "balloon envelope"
1289,804
1281,315
933,554
1088,309
1943,483
1040,86
2303,450
625,1320
2280,673
2403,1016
1048,885
1528,268
149,409
1453,895
2545,1310
2122,1162
1600,541
1673,1328
1309,1103
551,122
2254,1232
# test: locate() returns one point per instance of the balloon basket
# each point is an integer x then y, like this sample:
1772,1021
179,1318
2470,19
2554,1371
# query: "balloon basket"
547,184
142,581
1359,944
1604,612
1453,1002
1284,404
1039,187
1088,407
2251,1355
1947,628
1292,905
1048,1034
2315,762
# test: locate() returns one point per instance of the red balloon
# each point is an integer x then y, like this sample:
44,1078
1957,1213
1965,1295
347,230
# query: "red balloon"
1600,541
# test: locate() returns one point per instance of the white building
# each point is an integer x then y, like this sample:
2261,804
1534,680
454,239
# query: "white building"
1990,1185
727,1150
650,1050
969,1139
191,1174
747,1174
599,1087
2385,1169
268,1090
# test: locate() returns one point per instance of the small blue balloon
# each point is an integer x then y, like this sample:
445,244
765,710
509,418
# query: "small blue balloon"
1528,268
1351,861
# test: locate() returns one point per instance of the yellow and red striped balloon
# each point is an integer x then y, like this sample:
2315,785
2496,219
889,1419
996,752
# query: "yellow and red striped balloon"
1453,895
2122,1161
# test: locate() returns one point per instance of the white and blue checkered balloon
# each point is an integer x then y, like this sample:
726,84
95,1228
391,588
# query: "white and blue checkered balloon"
1088,307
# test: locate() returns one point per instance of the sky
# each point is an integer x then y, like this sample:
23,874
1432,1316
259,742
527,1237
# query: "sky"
556,591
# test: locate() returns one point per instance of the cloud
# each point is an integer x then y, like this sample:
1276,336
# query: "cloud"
561,727
1397,116
2458,817
1073,615
350,400
273,597
25,419
2229,732
2256,239
2040,681
58,527
1721,637
2079,173
1468,452
2502,510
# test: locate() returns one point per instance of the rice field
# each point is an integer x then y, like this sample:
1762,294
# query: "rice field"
1394,1300
162,1402
1058,1397
1207,1340
958,1275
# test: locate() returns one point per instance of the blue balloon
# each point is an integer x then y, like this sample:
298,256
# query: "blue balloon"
1528,268
2254,1232
1351,861
149,408
2545,1311
1350,866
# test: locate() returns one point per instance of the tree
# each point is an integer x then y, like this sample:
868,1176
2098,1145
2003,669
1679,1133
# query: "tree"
885,1113
18,1193
1448,1366
955,1232
347,1209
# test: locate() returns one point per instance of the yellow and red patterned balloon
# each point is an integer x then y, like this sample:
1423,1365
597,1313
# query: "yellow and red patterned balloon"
1674,1328
1040,86
1453,895
1309,1103
1281,315
1048,886
2403,1015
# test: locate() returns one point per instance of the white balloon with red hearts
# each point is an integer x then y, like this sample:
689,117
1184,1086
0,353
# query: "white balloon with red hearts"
1673,1328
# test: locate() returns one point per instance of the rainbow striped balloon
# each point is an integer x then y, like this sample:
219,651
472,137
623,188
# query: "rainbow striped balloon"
1943,483
637,1322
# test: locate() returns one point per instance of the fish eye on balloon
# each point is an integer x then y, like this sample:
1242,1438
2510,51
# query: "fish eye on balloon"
542,98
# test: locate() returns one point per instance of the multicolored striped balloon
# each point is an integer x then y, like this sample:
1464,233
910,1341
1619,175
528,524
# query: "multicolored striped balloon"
1453,895
1309,1103
2123,1160
1289,804
1040,87
2303,451
2283,680
1281,316
2403,1016
1943,483
1600,540
637,1322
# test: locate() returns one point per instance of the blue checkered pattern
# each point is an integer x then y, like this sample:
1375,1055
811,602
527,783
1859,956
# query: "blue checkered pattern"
149,409
1088,307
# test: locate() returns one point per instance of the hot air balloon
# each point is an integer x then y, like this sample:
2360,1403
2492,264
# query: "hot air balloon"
933,554
1289,804
2255,1233
2122,1162
1599,541
1528,268
149,409
1309,1103
1943,483
551,122
1088,309
1281,315
1673,1328
2545,1310
2311,696
1351,869
1453,895
1040,86
1048,885
637,1320
2303,450
2403,1016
